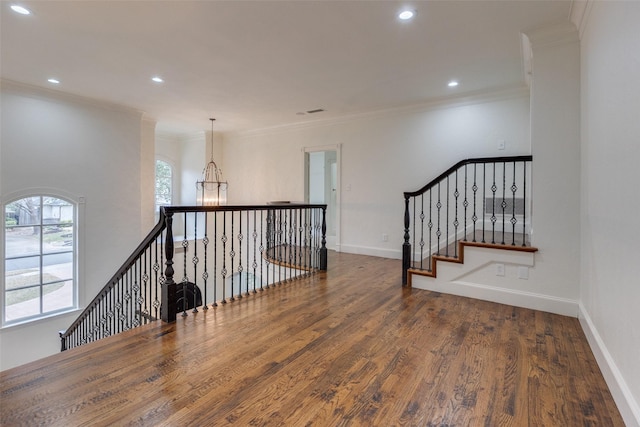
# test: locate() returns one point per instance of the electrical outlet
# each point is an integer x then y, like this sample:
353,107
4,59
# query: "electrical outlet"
385,237
499,269
523,273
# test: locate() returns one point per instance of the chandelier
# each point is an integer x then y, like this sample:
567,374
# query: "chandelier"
212,190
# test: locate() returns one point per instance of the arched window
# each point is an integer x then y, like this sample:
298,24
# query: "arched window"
40,235
164,184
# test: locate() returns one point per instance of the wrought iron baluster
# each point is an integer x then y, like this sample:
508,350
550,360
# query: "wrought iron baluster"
438,231
465,203
430,227
232,254
524,192
262,250
456,223
195,262
185,279
421,229
494,188
205,272
215,260
514,220
484,200
255,248
474,188
223,272
240,267
504,197
446,239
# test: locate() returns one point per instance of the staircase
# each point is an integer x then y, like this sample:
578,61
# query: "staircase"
476,203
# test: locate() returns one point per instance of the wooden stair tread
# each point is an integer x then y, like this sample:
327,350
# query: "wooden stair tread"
432,272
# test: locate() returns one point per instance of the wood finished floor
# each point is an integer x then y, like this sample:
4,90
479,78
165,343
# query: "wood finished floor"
348,347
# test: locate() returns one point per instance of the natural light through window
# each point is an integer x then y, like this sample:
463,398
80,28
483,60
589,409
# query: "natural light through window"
39,258
164,186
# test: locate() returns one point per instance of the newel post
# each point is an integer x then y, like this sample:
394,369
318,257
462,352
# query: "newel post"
406,246
323,248
169,287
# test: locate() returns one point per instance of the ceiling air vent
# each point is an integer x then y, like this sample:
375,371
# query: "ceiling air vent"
318,110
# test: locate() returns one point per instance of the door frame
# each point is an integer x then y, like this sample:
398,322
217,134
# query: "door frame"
332,243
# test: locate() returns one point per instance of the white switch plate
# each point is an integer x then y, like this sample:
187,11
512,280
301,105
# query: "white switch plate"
499,269
501,145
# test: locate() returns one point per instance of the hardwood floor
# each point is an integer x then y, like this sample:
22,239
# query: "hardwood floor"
348,347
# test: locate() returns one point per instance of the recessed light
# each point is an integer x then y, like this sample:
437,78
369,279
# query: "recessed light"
21,10
54,81
407,14
453,83
157,79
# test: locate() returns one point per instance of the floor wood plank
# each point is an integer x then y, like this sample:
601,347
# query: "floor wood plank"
349,347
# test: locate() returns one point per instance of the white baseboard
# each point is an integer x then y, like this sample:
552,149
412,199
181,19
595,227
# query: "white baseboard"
628,407
379,252
550,304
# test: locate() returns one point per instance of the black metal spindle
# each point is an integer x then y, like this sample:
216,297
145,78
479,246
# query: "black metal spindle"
205,272
195,262
446,240
240,267
514,220
421,229
465,203
430,228
504,197
438,231
524,192
223,272
456,195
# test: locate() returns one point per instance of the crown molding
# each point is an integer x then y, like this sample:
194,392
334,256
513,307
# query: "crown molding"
552,35
579,14
469,98
51,94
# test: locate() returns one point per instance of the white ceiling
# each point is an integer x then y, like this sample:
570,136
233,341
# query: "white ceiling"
255,64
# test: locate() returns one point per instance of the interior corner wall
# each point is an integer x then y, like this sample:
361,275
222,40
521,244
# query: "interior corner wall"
555,141
382,155
610,267
84,149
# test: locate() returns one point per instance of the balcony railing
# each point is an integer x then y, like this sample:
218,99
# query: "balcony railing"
196,258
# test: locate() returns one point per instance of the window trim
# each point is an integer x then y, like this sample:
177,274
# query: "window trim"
78,220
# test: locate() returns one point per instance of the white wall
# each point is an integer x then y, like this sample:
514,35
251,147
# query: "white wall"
382,156
82,149
610,267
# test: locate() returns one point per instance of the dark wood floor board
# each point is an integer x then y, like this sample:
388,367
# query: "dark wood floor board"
349,347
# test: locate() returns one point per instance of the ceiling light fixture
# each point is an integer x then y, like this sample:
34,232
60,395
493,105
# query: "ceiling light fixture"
53,81
453,83
21,10
407,14
211,191
157,79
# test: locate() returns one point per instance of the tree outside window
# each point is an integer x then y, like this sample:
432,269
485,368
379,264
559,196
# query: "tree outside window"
164,184
40,258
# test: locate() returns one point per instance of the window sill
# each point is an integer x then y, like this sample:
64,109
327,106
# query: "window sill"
46,318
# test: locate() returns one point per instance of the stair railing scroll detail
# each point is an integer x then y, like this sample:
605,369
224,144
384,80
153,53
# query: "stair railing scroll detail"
223,253
483,200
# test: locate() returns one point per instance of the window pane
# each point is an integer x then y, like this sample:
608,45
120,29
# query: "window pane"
57,267
24,211
22,272
56,211
163,183
22,303
57,296
20,241
57,238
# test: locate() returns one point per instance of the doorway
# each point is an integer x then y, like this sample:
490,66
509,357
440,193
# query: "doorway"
322,186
